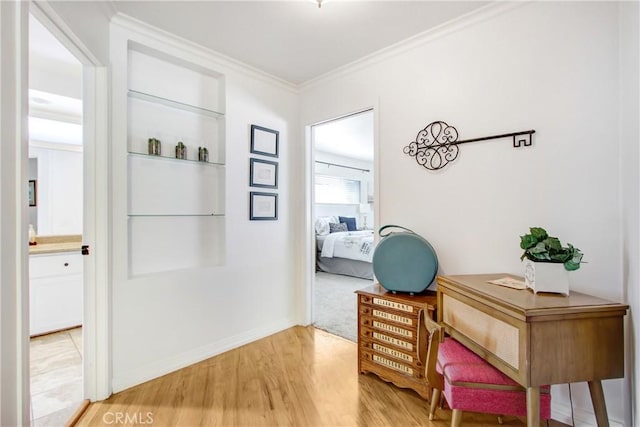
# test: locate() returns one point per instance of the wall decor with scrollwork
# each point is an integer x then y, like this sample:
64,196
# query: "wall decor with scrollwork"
437,144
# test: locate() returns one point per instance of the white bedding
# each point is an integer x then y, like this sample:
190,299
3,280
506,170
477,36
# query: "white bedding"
356,245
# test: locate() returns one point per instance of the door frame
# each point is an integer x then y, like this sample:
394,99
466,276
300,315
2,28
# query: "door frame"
96,213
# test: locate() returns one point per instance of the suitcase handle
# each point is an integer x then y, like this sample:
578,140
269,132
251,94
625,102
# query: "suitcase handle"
384,227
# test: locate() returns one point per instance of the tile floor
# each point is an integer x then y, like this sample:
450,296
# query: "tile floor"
56,377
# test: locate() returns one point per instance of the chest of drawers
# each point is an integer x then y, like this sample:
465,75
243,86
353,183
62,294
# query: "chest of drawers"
392,342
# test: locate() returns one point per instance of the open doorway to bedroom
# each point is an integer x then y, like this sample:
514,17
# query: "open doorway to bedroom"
342,206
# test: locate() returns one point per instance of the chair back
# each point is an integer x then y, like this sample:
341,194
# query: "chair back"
435,335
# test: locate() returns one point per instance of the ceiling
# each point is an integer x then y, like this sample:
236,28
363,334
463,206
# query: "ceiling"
351,136
295,40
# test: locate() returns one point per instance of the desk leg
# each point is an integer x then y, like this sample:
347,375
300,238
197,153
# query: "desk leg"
599,405
533,406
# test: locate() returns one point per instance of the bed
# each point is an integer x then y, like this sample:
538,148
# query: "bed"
346,252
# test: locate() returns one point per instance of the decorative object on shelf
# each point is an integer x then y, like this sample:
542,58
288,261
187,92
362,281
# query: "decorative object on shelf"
547,262
437,144
154,147
33,200
203,154
263,206
263,173
181,150
264,141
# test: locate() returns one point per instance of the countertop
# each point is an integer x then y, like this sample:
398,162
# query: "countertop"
56,244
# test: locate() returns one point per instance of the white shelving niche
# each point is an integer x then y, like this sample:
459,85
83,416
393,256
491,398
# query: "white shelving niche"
175,207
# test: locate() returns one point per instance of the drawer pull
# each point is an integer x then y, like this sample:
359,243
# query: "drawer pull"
66,264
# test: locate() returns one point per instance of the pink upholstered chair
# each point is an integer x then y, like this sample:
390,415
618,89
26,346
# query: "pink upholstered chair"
469,383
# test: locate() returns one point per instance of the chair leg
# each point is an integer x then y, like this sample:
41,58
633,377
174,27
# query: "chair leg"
456,418
435,400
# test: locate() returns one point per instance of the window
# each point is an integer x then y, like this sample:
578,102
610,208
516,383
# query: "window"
331,189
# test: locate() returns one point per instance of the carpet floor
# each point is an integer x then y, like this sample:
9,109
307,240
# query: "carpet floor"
335,305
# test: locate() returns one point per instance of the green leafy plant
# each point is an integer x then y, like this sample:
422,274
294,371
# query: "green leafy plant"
540,247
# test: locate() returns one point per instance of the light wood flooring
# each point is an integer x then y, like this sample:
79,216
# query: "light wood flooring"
56,376
299,377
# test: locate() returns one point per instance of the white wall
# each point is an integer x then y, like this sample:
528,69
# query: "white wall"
552,67
629,92
59,190
164,322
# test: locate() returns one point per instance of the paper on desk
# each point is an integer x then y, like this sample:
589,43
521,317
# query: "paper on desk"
509,282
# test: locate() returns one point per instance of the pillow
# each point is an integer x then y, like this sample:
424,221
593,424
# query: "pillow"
351,222
322,224
322,227
334,228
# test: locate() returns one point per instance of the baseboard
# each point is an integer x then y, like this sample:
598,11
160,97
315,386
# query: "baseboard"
583,418
170,364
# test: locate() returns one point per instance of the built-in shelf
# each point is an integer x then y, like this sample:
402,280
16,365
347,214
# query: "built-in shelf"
174,104
170,215
135,153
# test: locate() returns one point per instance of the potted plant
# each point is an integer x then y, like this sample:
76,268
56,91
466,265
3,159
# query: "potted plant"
547,262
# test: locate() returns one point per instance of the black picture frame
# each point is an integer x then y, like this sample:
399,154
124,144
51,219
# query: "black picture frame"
263,173
263,206
265,141
33,193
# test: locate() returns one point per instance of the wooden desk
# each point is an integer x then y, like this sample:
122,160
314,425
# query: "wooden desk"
536,339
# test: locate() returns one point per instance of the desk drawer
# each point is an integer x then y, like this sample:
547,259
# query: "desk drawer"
394,364
404,320
368,334
386,304
494,335
388,328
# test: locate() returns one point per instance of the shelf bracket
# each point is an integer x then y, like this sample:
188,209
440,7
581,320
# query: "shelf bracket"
437,144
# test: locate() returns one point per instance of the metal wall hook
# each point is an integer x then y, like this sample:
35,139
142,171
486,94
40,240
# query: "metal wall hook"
437,144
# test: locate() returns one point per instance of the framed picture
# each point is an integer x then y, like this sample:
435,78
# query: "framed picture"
263,173
264,141
263,206
32,193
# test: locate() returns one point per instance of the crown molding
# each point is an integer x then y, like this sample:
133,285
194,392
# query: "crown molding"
457,24
191,48
48,145
44,113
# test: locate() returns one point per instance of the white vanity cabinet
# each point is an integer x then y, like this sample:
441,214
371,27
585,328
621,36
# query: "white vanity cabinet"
55,291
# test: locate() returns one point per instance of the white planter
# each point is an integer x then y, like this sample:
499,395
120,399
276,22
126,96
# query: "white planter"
546,277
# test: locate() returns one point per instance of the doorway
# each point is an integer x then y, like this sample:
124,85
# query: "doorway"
342,217
55,227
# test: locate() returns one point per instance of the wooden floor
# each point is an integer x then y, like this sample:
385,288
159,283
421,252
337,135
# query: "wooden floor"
299,377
